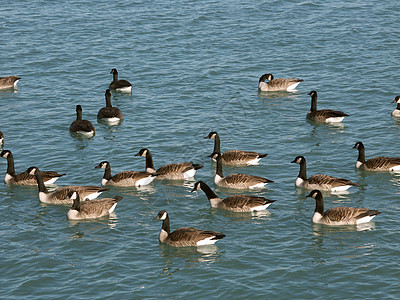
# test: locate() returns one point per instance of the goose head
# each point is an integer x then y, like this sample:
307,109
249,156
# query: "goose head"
298,159
102,165
212,135
142,152
396,100
162,215
5,153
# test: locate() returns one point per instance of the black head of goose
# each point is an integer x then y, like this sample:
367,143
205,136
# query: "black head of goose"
396,111
238,180
339,215
91,209
236,203
24,178
279,84
323,115
60,195
9,82
233,157
80,126
380,163
125,178
186,236
109,113
121,85
1,139
177,171
321,182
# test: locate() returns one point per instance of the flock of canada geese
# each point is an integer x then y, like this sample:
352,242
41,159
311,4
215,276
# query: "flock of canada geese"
86,206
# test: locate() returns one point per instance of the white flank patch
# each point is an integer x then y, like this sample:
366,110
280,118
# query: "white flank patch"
292,87
365,219
334,120
207,241
396,113
7,178
261,207
126,89
112,208
258,185
299,182
1,141
395,169
253,162
341,188
217,179
85,133
51,181
316,217
92,196
15,83
145,181
189,174
111,121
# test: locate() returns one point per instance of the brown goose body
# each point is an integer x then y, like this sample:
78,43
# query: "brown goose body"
91,209
320,182
109,112
279,84
340,215
323,115
178,171
185,236
119,85
235,203
125,178
380,163
9,82
233,157
60,195
24,178
80,126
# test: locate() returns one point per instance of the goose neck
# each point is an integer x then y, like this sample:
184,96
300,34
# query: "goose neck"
107,172
208,191
149,162
319,204
303,170
361,154
217,144
10,165
313,103
108,100
41,186
219,166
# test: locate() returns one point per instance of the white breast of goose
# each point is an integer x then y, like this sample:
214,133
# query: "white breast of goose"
104,181
299,182
214,202
396,113
43,197
217,179
317,217
8,178
358,164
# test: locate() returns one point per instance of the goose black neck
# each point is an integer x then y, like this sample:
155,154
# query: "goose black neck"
39,179
313,103
219,165
303,170
78,114
115,76
319,204
108,100
10,164
165,225
361,154
208,191
149,161
217,143
77,203
398,106
107,172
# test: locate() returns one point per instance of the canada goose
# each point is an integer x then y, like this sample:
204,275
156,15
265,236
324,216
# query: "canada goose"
185,236
279,84
109,113
120,85
82,127
233,157
340,215
323,115
24,178
321,182
178,171
1,139
60,195
9,82
381,163
238,181
396,111
91,209
236,203
125,178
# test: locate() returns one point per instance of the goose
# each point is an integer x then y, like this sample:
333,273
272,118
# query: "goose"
120,85
178,171
60,195
91,209
396,111
109,113
9,82
321,182
1,139
81,127
236,203
323,115
279,84
238,180
233,157
340,215
125,178
185,236
381,163
24,178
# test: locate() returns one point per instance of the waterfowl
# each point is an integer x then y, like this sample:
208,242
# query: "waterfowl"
238,180
236,203
279,84
185,236
178,171
9,82
60,195
81,127
320,182
233,157
125,178
381,163
1,139
91,209
109,113
120,85
396,111
323,115
24,178
340,215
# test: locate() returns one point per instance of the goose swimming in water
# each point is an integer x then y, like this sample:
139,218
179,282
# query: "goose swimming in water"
120,85
109,114
9,82
81,127
380,163
396,111
185,236
323,115
279,84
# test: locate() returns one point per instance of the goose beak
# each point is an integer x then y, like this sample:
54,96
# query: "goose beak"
294,161
309,93
97,167
137,154
194,189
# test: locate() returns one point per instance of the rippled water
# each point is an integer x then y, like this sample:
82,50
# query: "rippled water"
195,68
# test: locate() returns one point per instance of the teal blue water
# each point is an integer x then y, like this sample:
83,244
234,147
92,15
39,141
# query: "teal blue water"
194,67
